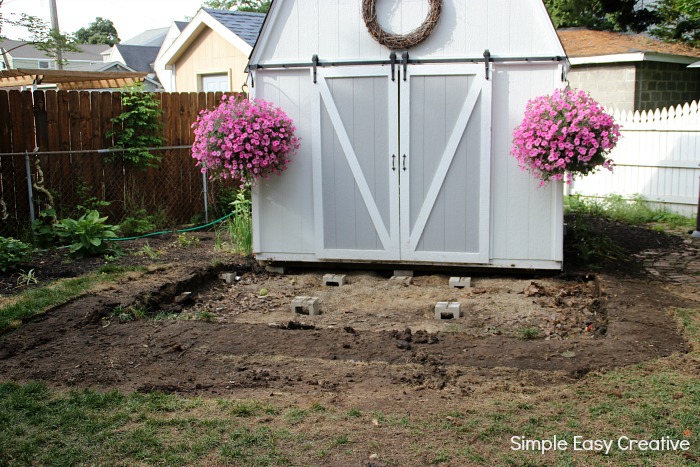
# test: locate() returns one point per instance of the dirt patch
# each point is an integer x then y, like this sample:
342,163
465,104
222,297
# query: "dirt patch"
369,301
382,349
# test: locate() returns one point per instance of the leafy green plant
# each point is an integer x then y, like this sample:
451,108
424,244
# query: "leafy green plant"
185,240
529,333
137,128
635,210
25,279
13,253
239,227
140,218
87,234
44,229
87,201
149,251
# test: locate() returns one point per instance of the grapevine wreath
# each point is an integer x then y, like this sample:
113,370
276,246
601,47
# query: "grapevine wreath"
399,41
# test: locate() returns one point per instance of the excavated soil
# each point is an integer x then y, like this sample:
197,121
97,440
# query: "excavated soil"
375,344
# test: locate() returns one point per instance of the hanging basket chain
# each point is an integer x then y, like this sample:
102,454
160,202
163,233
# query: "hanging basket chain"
400,41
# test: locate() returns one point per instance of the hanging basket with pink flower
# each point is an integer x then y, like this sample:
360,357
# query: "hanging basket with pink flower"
244,140
563,136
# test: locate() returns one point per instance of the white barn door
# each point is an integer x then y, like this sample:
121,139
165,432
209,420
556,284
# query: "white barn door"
402,166
445,183
355,185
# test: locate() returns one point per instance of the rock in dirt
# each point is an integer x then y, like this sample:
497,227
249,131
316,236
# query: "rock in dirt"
403,345
292,325
534,290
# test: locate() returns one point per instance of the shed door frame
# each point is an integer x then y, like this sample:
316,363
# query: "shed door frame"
398,239
388,234
480,91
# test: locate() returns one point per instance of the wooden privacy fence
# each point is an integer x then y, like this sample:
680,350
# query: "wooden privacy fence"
657,157
54,135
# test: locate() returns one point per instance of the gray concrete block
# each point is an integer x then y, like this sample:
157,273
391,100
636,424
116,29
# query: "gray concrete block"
401,280
403,272
276,269
228,277
304,305
447,310
461,282
334,280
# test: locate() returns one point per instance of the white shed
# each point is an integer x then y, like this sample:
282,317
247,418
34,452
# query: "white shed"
405,156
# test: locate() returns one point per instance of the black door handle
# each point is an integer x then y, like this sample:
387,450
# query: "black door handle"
404,162
393,162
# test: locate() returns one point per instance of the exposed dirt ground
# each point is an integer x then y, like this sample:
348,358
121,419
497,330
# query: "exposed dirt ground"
375,345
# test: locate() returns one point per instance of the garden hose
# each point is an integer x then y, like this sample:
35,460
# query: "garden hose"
163,232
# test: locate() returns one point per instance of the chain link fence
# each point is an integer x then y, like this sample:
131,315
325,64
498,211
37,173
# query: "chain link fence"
68,183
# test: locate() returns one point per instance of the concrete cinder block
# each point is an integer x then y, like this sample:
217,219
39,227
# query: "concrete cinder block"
276,269
403,272
334,280
228,277
402,280
461,282
447,310
304,305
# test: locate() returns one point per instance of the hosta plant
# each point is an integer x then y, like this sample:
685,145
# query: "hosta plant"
563,136
88,234
244,140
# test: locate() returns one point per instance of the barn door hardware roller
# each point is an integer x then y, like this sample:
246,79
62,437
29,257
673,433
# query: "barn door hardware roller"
392,59
314,61
404,62
487,61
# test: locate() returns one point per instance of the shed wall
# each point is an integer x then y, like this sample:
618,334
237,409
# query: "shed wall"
526,220
334,29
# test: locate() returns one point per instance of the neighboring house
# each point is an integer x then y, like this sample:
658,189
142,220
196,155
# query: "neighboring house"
211,52
21,54
149,38
631,71
165,75
136,58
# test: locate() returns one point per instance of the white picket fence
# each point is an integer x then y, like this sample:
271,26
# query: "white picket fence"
657,157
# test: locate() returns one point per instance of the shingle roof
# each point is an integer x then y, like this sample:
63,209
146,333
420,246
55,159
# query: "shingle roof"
181,24
138,57
245,25
89,51
148,38
588,43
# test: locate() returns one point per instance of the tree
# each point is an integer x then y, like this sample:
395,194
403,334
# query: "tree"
608,15
258,6
44,38
678,21
100,31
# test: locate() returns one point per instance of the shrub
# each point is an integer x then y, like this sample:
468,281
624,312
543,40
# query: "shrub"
87,234
564,135
13,253
44,229
138,127
244,140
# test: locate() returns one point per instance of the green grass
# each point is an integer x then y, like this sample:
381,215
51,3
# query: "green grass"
634,211
36,301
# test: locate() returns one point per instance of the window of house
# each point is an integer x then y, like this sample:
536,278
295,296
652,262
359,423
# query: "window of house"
43,64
